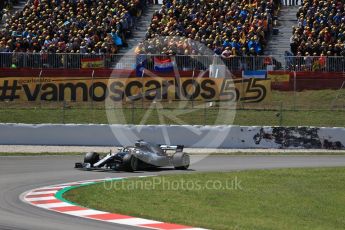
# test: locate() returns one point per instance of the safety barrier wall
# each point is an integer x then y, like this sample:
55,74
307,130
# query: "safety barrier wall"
188,135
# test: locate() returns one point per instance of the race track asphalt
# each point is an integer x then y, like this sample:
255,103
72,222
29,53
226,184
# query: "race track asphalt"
20,174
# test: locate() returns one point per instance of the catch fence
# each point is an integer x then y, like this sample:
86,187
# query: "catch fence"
179,62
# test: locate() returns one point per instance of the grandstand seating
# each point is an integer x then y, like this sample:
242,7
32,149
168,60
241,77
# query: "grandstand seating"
77,26
229,27
320,30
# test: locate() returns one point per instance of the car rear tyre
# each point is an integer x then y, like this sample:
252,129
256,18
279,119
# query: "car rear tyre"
181,161
91,158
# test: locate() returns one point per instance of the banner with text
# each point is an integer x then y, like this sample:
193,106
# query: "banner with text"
133,89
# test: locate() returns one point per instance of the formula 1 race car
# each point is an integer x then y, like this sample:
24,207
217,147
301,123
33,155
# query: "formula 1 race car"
143,155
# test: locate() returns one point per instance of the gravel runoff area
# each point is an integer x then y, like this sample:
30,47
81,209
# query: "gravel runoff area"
66,149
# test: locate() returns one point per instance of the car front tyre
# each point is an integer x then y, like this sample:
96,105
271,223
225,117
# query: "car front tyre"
130,163
91,158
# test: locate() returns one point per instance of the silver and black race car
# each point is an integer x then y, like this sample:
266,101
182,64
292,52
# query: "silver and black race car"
142,156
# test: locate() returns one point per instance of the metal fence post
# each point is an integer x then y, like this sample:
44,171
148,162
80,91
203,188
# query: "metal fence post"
294,90
25,60
205,113
142,89
92,95
132,113
281,114
254,64
40,89
64,61
193,89
63,111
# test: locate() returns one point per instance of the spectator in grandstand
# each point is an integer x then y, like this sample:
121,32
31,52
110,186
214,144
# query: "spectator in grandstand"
88,27
240,26
5,6
226,53
4,16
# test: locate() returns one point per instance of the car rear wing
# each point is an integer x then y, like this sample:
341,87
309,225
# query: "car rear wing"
178,148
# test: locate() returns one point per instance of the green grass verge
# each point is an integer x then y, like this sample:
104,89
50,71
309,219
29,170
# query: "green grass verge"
306,108
260,199
243,117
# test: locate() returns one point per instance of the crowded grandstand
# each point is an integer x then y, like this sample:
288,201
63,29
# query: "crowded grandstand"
97,27
229,28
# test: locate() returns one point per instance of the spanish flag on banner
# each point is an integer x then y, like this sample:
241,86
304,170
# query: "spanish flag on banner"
92,63
278,77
